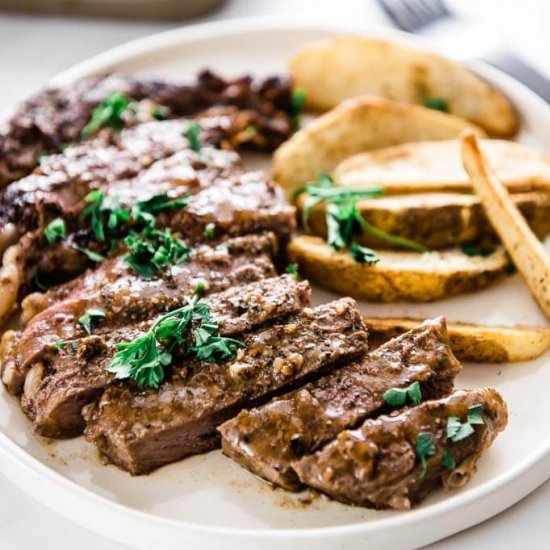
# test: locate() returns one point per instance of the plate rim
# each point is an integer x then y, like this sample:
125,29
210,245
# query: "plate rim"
539,460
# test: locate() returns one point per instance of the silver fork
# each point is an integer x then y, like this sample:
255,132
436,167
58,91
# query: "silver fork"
463,39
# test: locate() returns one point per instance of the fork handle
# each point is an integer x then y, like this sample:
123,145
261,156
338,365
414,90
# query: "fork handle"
520,70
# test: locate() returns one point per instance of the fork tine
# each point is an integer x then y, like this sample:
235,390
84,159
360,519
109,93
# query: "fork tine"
399,12
436,8
411,15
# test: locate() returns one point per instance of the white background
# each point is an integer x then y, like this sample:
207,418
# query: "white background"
34,48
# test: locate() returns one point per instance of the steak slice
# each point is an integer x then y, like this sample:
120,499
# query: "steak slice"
125,296
143,430
378,466
60,383
56,116
267,440
58,187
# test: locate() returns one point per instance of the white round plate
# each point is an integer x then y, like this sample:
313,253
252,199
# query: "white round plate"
208,501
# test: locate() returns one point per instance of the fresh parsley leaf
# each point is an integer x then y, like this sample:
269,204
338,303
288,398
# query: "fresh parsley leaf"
94,256
108,113
476,251
298,101
89,317
158,203
210,231
297,106
146,358
437,104
217,349
193,135
292,269
95,198
425,447
56,230
397,397
363,255
344,220
152,251
41,285
475,414
160,112
140,360
447,460
42,156
59,345
201,286
456,430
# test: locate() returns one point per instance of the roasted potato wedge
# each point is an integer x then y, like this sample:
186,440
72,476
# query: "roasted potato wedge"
436,220
399,276
358,125
526,251
340,68
437,166
471,342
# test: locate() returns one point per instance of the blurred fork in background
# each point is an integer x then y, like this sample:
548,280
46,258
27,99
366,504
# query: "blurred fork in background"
462,39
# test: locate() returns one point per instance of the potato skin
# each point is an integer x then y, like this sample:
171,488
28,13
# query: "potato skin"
339,68
436,220
472,342
399,276
357,125
436,166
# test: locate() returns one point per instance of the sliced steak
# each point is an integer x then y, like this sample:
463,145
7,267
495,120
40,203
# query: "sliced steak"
378,465
267,440
143,430
59,186
125,297
56,116
60,383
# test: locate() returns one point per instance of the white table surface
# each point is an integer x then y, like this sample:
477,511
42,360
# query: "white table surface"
34,48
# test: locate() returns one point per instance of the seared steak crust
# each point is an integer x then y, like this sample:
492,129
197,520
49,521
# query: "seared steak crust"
61,383
377,465
56,116
126,297
142,430
269,439
221,194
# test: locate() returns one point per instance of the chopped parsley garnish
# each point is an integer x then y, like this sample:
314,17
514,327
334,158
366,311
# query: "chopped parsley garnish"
152,251
201,286
476,250
475,414
297,106
56,230
59,344
210,231
108,113
160,112
447,460
145,359
437,104
457,430
42,156
397,397
344,219
193,135
363,255
89,317
292,269
94,256
425,447
41,285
